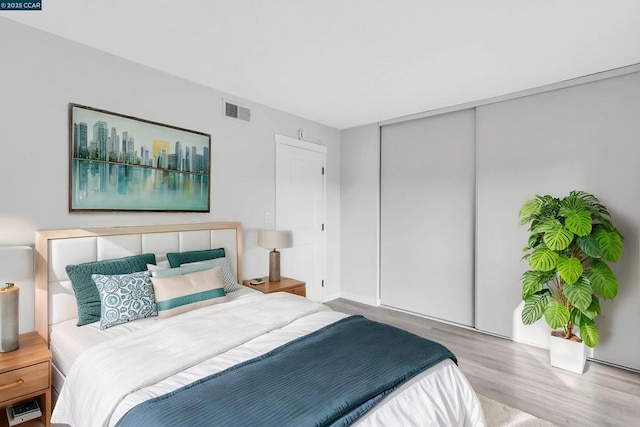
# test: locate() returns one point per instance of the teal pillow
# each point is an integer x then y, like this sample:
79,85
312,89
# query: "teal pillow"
178,258
87,295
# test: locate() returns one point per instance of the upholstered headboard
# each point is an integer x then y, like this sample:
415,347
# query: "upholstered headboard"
55,249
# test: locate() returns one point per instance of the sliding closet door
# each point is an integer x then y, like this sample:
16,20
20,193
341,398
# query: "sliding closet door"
579,138
427,216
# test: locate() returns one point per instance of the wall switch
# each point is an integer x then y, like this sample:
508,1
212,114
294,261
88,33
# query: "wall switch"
267,217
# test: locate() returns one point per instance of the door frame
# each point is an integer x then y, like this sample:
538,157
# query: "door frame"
310,146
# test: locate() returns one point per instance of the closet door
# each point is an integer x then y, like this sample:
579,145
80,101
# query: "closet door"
427,216
579,138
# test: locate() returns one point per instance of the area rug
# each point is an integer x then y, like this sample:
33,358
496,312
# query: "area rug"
500,415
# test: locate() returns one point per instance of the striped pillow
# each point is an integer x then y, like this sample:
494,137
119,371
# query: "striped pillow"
190,268
228,278
179,294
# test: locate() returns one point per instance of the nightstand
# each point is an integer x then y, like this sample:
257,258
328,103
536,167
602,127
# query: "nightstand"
285,284
25,374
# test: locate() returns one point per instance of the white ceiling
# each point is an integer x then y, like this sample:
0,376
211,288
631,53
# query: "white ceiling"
351,62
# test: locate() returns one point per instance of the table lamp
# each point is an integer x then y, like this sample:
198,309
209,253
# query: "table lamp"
16,264
274,240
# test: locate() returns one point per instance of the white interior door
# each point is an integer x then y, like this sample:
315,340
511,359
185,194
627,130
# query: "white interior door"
300,194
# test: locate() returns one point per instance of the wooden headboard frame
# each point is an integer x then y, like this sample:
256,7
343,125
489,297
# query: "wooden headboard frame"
46,237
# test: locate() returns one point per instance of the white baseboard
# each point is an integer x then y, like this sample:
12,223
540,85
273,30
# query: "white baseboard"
357,298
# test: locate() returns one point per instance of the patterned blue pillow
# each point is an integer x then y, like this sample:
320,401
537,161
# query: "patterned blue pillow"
125,297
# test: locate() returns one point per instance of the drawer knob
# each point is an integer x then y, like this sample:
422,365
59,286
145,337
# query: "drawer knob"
13,384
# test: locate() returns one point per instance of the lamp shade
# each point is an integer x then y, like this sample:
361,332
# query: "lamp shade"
16,263
272,239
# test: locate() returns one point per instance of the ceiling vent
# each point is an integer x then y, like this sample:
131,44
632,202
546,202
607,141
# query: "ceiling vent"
234,111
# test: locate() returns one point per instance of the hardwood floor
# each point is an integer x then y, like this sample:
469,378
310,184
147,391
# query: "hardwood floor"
520,375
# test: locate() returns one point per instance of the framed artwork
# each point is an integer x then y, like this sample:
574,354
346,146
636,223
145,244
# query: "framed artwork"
122,163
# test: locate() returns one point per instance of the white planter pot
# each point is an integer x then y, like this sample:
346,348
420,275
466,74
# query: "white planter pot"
566,354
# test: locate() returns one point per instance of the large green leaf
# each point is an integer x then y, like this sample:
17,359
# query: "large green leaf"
602,279
579,293
534,308
533,281
578,222
610,243
594,308
543,259
591,202
556,314
530,209
557,238
589,332
599,212
538,207
544,224
576,316
589,245
571,203
534,240
570,269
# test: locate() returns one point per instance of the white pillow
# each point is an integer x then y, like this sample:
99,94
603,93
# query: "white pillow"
179,294
159,265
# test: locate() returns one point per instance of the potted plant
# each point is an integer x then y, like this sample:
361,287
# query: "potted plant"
570,243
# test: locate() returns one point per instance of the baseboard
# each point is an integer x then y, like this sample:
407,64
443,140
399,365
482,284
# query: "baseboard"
357,298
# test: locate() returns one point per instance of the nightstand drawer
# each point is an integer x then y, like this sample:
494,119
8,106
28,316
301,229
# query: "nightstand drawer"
300,290
23,381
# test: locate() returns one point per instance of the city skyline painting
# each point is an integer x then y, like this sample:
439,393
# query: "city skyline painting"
122,163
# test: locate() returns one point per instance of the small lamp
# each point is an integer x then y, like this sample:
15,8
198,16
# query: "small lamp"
272,239
16,264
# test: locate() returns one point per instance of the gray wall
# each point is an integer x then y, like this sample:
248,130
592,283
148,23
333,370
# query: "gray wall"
41,74
581,138
359,206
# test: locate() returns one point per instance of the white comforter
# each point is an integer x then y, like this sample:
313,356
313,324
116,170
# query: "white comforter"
177,351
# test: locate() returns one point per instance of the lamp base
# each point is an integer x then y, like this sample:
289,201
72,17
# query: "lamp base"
9,334
274,266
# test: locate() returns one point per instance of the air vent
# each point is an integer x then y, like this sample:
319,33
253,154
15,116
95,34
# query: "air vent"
235,111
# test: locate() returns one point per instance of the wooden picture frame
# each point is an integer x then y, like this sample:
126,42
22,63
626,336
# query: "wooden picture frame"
123,163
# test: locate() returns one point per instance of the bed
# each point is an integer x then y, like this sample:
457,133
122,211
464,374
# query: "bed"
276,352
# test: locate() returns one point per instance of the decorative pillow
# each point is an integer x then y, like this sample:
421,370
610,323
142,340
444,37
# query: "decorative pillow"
187,268
160,265
87,296
179,294
228,278
125,297
176,259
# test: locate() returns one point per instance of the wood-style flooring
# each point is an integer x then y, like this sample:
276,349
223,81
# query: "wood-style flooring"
520,375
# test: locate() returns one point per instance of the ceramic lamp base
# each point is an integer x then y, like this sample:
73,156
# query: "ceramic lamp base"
9,303
274,266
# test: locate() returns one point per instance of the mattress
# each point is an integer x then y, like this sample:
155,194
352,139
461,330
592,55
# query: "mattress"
439,396
68,341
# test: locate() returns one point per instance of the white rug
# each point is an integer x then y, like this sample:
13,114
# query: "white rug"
500,415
